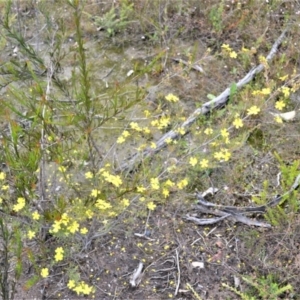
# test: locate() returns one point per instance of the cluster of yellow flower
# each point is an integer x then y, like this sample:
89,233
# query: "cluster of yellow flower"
203,163
228,51
67,225
113,179
161,123
122,138
223,155
59,254
262,92
20,204
172,98
80,287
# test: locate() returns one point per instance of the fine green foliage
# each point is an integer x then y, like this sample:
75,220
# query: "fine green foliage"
216,17
11,262
288,206
116,19
265,287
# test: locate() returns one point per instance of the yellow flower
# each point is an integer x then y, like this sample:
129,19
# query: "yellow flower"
233,54
168,140
2,175
224,154
163,122
218,155
253,110
286,91
224,133
45,272
169,183
89,214
125,133
263,60
86,290
140,189
83,230
283,78
35,215
135,126
78,289
245,50
278,120
193,161
153,145
266,91
73,227
204,163
125,202
151,205
20,204
154,183
30,234
181,130
65,219
280,105
94,193
88,175
120,140
146,130
71,284
81,288
59,254
165,192
238,123
56,227
182,184
208,131
5,188
62,169
102,205
171,98
147,113
226,47
113,179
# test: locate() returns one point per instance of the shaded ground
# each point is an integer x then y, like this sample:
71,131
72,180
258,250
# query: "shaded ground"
228,251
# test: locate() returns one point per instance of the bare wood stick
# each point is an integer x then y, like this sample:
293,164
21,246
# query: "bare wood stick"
136,275
206,107
178,270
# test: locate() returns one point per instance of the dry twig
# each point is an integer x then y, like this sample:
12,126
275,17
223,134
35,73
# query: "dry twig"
237,214
178,271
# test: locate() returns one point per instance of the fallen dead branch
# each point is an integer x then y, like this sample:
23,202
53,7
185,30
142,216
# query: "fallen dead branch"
219,101
236,214
135,278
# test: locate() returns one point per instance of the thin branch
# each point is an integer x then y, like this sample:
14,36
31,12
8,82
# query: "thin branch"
178,269
237,214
